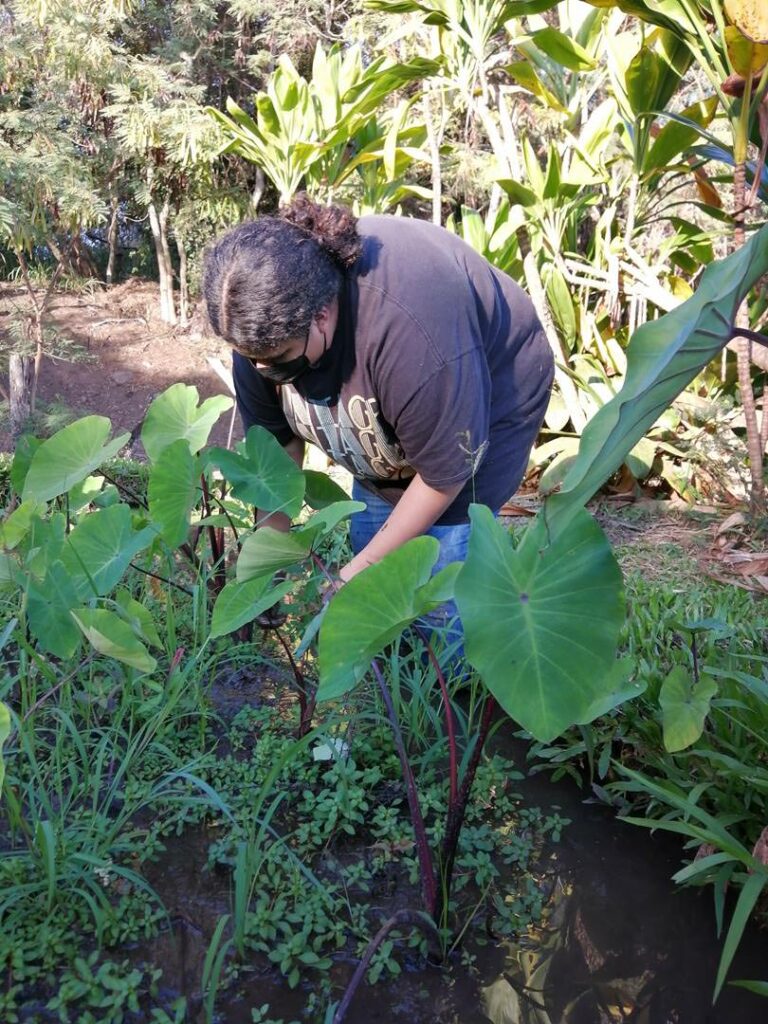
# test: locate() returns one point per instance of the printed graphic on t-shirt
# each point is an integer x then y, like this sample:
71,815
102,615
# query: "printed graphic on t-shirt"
351,434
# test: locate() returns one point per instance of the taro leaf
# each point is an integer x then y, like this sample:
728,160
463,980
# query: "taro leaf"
541,621
621,691
684,707
5,728
268,550
374,608
22,457
175,415
327,519
48,612
262,473
97,552
321,490
44,543
107,632
138,617
172,491
69,457
239,603
17,525
84,493
663,357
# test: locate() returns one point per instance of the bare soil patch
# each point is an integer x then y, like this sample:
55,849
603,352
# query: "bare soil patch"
129,355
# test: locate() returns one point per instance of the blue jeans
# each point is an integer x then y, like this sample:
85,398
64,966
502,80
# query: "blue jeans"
454,541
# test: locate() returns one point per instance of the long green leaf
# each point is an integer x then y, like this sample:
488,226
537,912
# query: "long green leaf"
5,728
745,904
663,357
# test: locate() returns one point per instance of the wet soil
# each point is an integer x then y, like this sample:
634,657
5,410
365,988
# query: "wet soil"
620,942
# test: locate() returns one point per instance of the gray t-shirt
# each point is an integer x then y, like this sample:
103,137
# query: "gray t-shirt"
438,366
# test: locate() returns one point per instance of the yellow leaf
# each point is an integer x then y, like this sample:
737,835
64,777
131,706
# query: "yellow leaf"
746,57
750,17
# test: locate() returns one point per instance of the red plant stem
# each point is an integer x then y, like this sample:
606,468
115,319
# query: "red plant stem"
400,917
306,707
219,571
428,880
453,771
457,811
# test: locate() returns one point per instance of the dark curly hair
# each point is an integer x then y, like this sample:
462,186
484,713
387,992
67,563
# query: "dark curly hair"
265,280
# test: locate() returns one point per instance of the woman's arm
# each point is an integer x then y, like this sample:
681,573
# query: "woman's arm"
418,509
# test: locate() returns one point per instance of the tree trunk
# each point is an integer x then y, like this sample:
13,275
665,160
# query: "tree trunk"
434,156
183,283
159,224
21,371
755,446
112,241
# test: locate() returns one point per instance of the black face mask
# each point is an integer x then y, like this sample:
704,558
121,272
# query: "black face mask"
289,370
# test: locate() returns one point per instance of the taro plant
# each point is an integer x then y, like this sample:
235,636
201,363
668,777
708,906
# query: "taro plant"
542,614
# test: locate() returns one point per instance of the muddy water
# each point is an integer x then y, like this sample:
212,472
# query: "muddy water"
621,943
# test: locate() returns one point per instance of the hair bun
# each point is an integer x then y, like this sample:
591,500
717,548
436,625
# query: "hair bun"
332,227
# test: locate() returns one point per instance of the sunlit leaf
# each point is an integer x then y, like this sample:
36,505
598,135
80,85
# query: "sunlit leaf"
98,551
684,707
113,637
138,617
267,550
750,17
175,415
262,473
69,457
664,356
542,620
374,608
239,603
173,490
5,728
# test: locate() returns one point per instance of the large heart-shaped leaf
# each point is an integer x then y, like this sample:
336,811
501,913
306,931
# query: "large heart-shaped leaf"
138,617
173,490
663,357
542,620
111,636
262,473
69,457
17,525
374,608
268,550
99,549
684,707
321,491
48,612
239,603
175,415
